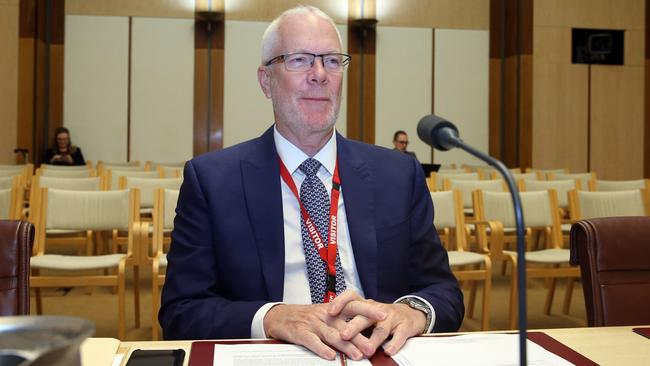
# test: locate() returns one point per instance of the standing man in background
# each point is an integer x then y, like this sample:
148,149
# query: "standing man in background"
401,141
301,234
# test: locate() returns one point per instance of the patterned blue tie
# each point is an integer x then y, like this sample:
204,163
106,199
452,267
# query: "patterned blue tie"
317,203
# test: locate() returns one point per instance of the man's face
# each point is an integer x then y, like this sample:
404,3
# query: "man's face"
304,102
401,142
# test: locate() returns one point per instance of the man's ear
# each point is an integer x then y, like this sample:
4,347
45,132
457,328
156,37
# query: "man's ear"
264,78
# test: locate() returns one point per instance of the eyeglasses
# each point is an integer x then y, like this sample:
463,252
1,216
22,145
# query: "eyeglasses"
402,142
332,62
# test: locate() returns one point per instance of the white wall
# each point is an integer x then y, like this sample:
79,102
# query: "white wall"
247,112
461,88
95,85
403,91
162,89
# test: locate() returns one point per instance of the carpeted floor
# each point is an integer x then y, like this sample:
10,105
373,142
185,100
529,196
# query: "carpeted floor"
100,306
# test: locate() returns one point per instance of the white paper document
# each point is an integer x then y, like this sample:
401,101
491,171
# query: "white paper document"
474,349
273,355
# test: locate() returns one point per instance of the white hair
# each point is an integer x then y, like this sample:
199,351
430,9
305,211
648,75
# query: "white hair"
271,37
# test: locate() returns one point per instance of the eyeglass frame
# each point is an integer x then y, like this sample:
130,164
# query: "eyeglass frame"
281,58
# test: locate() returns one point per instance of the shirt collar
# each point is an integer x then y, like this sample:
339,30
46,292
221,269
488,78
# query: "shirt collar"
292,156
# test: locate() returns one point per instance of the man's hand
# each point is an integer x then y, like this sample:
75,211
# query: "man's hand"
398,320
312,327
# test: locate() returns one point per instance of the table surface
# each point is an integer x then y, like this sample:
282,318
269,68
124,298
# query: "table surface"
603,345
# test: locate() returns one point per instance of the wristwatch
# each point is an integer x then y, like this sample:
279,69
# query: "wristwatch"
418,304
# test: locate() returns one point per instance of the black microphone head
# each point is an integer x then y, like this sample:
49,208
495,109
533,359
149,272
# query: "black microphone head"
438,132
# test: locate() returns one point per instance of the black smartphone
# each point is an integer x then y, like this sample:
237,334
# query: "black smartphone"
156,357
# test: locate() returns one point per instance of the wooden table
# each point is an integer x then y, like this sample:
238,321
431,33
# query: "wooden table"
604,345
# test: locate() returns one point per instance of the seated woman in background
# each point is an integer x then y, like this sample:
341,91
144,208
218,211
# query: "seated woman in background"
63,152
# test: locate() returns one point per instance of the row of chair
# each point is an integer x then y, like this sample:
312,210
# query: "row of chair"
492,231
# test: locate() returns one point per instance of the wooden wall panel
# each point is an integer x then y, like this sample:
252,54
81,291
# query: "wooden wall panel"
634,48
453,14
617,123
627,14
266,11
560,97
141,8
9,13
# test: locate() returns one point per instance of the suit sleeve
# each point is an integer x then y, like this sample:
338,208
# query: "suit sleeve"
192,305
431,277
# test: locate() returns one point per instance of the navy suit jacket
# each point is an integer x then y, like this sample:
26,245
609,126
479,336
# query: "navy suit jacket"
227,254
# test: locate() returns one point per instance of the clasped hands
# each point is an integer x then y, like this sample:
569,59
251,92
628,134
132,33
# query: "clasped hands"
327,328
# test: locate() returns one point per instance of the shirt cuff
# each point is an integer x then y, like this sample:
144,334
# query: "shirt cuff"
257,326
433,311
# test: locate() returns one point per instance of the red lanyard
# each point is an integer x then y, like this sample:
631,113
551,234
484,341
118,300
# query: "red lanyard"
327,254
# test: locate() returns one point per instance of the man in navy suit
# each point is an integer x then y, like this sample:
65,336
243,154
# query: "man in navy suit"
240,264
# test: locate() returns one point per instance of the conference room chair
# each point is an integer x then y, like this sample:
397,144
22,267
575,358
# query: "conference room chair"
619,185
584,178
466,265
466,187
11,200
562,187
147,188
66,167
113,176
517,176
92,211
66,173
59,236
163,223
496,225
24,170
543,173
613,256
16,240
588,205
436,179
167,171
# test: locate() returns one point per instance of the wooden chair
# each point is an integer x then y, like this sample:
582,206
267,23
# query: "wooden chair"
518,177
58,236
449,220
543,173
466,187
92,211
584,178
618,185
170,171
103,166
11,200
588,205
66,173
24,170
163,223
494,210
112,176
436,179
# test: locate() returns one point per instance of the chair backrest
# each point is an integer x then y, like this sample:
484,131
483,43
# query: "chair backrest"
588,205
103,167
164,212
562,187
615,266
16,240
113,176
72,184
449,216
65,167
618,185
437,178
167,171
466,187
147,187
8,182
540,210
584,178
543,173
85,210
26,170
11,200
518,176
66,173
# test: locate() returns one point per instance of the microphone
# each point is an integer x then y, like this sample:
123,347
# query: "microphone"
442,135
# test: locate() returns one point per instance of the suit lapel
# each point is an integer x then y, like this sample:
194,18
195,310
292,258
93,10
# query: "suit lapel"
357,188
261,177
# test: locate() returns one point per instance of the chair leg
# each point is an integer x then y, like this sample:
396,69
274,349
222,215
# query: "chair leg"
513,296
136,295
39,301
155,302
487,291
550,294
567,295
121,303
